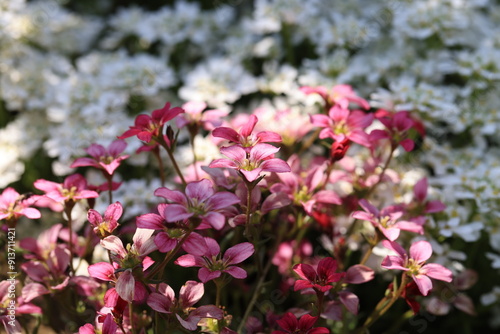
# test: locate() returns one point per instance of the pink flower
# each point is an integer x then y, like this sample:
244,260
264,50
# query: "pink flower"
13,205
291,325
108,326
195,116
321,278
164,301
259,159
104,226
415,266
74,188
386,220
199,201
126,261
301,184
246,138
204,252
339,95
420,196
397,127
146,127
106,159
341,124
19,306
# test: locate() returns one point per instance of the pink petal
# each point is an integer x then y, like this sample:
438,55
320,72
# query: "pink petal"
113,212
200,190
421,251
223,163
301,285
195,244
358,274
275,165
350,301
31,213
434,206
114,244
96,151
437,271
150,220
226,133
206,275
338,113
251,175
125,285
263,151
117,147
390,233
288,322
46,186
222,200
32,290
305,271
407,144
212,246
159,302
238,253
234,152
236,272
176,212
84,162
393,262
164,242
395,247
171,195
327,196
94,217
269,137
247,128
189,260
320,120
424,284
420,190
191,293
215,219
410,226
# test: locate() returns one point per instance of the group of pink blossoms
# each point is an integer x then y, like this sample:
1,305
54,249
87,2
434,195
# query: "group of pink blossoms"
180,222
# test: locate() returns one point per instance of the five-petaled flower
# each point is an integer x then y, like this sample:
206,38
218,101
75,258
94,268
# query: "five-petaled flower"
204,252
103,226
106,159
164,301
73,189
148,127
246,138
291,325
321,278
341,124
397,127
13,205
251,164
415,266
199,201
339,95
386,220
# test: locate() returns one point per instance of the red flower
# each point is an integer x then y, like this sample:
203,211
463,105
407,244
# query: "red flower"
319,279
292,325
146,127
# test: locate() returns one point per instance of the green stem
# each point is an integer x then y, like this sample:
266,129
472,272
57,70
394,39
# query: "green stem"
68,210
382,173
384,305
110,190
194,157
162,142
156,152
131,317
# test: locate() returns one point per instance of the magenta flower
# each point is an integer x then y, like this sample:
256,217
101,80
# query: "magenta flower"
341,124
74,188
339,95
199,201
291,325
397,127
259,159
204,252
106,159
13,205
164,301
104,226
127,260
321,278
146,127
20,306
108,326
195,116
420,196
386,220
246,138
300,185
415,266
